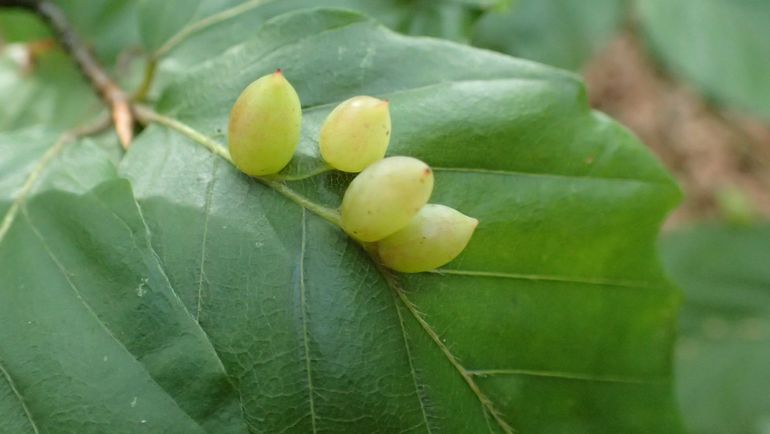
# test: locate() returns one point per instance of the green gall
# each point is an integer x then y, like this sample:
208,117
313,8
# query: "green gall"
434,237
385,196
264,126
356,134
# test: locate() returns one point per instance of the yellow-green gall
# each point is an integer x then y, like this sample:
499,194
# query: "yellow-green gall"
434,237
356,134
264,126
385,196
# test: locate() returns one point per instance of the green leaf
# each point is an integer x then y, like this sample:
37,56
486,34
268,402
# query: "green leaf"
723,361
44,85
52,92
160,20
109,26
20,26
217,25
94,338
557,318
721,46
556,32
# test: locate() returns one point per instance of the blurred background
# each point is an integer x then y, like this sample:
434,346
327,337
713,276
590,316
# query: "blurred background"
690,77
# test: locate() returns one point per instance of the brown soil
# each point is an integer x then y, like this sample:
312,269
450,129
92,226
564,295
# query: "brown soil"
709,150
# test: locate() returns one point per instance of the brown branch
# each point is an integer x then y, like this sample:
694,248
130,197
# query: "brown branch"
118,102
24,4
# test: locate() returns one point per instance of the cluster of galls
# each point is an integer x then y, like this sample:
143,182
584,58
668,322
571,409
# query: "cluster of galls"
385,205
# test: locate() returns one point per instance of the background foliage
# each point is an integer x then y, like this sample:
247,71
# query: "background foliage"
722,357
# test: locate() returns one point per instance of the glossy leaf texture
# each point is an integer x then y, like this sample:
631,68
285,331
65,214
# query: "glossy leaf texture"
723,354
563,33
556,318
721,46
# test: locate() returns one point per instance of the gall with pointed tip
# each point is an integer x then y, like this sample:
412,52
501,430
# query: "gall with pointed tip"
434,237
264,127
385,196
356,134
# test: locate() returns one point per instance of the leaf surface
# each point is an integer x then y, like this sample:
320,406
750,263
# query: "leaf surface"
205,27
94,338
556,318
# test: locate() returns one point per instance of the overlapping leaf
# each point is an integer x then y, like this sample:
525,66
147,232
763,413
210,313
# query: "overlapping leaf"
94,339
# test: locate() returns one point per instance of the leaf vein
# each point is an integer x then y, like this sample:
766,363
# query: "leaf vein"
417,390
29,183
204,23
37,171
564,376
207,211
16,392
486,419
161,268
550,175
303,303
486,403
545,277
